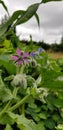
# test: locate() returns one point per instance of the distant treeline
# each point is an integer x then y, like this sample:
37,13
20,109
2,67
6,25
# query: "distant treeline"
51,47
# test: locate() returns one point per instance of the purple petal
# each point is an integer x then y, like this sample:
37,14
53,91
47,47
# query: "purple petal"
32,54
18,51
25,54
19,62
14,58
26,61
40,49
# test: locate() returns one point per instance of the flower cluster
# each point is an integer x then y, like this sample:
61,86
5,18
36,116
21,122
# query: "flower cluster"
22,57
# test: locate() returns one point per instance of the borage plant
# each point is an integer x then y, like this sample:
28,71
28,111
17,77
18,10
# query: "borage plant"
18,89
29,97
31,84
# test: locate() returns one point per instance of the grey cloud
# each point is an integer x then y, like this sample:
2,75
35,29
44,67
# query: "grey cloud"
51,15
20,4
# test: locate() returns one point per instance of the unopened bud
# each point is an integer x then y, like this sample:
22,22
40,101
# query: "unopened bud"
19,81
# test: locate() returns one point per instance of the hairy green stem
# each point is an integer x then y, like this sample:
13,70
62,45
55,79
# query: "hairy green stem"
18,69
5,108
23,109
19,103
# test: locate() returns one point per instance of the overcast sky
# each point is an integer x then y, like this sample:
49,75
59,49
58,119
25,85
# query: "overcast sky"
51,20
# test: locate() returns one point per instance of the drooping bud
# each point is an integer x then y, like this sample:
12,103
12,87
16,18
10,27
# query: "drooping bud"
19,81
33,63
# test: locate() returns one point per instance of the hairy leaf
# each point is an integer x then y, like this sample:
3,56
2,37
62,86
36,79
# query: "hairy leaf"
8,127
23,122
5,94
5,119
50,79
7,64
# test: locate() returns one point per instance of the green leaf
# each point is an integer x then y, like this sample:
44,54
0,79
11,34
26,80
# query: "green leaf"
7,64
40,126
56,117
55,66
6,26
3,28
5,119
45,1
36,117
59,127
30,81
28,124
22,122
43,115
13,116
9,78
49,123
28,14
33,106
37,18
5,94
8,127
38,81
5,7
15,16
51,99
50,79
19,17
6,43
